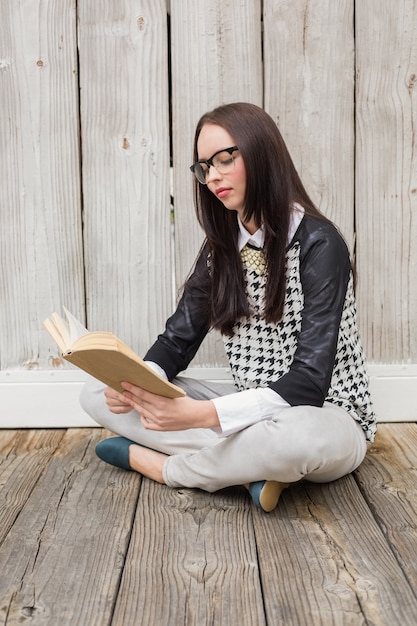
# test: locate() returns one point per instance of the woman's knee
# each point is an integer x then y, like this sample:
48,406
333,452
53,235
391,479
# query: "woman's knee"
294,446
85,400
92,398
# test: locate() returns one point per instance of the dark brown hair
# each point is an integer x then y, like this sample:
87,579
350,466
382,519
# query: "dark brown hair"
272,186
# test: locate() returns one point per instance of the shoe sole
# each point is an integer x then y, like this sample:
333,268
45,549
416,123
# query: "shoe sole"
270,494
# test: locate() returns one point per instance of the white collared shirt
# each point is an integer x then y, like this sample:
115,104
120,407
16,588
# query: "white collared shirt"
258,238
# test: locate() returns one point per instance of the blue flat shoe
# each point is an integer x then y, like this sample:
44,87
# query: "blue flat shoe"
266,493
115,451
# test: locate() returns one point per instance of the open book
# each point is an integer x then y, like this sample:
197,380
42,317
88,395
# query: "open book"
105,357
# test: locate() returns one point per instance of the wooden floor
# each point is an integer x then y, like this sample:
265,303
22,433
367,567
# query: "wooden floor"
82,543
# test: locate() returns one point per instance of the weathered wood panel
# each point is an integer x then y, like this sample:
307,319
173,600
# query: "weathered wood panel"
216,58
331,560
125,166
199,550
62,560
41,242
387,479
23,457
101,181
386,177
309,91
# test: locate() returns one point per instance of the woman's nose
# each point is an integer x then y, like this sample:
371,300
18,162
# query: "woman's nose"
212,174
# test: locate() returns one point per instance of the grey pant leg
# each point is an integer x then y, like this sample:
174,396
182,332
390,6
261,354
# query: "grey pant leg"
129,425
319,444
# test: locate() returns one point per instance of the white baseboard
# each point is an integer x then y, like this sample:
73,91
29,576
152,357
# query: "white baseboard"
42,399
49,399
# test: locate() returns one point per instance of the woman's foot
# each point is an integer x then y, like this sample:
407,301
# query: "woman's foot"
115,451
266,493
147,462
129,455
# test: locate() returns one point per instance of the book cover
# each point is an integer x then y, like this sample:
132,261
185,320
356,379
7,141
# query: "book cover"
105,357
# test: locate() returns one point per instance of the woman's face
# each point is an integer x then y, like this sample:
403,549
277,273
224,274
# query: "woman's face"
229,188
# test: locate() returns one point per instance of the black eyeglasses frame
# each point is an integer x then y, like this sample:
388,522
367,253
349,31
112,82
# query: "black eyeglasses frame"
209,162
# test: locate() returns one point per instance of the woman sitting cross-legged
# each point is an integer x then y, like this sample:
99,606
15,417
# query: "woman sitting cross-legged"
274,277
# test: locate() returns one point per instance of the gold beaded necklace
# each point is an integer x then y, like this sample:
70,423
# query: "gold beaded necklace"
253,258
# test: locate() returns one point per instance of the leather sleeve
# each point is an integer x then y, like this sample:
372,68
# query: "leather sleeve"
187,327
324,272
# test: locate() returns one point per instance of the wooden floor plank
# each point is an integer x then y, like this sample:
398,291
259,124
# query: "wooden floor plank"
330,561
62,560
388,479
24,455
192,561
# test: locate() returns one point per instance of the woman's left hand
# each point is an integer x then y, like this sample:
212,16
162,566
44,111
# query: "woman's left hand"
160,413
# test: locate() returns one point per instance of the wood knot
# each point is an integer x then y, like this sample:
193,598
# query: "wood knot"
57,362
29,611
141,23
40,63
4,64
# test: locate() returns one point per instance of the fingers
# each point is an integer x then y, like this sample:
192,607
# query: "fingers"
124,402
149,424
157,412
145,402
116,402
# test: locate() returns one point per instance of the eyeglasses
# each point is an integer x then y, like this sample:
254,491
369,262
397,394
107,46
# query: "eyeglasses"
222,160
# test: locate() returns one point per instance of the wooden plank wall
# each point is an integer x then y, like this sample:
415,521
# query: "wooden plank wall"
124,113
386,177
40,190
98,99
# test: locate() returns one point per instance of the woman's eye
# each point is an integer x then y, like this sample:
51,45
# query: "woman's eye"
225,161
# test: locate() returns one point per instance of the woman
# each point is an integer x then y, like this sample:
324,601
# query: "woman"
274,276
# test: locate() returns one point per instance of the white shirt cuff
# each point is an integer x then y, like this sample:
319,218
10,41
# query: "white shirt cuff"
237,411
157,368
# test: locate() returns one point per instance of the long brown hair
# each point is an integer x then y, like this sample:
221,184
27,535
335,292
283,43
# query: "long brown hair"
272,186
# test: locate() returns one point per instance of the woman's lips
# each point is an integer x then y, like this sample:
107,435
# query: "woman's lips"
222,192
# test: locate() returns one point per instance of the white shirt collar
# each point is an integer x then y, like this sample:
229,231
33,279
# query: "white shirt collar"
258,238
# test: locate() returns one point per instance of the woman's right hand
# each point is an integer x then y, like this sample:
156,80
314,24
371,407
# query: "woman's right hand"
116,402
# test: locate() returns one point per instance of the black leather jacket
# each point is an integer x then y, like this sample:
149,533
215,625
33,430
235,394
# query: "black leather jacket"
324,273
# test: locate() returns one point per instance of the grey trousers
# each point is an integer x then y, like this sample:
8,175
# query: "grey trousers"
318,444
